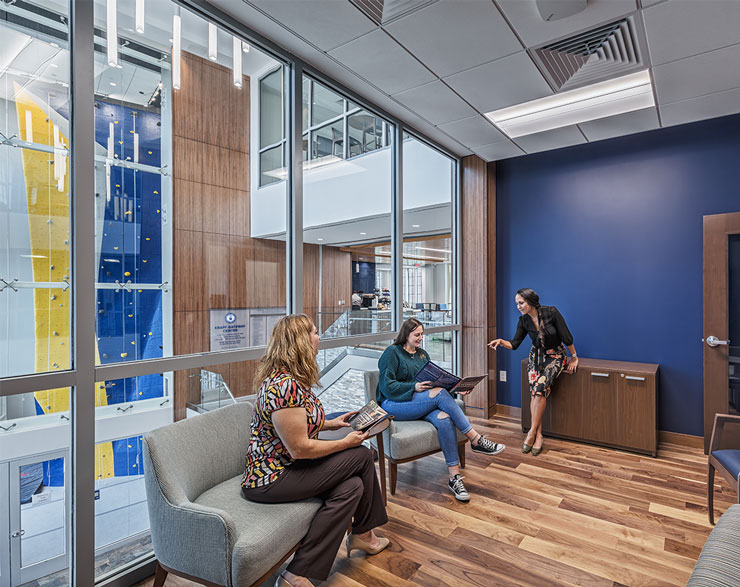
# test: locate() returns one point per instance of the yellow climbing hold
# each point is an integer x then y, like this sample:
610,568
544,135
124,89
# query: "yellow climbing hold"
127,273
124,355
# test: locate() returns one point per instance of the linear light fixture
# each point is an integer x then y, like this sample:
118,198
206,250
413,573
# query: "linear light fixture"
237,62
112,32
609,98
139,16
176,47
212,42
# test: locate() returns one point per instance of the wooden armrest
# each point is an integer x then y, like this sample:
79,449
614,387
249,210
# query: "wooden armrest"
719,423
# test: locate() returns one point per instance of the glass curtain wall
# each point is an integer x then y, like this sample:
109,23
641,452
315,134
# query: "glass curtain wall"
190,250
347,197
428,270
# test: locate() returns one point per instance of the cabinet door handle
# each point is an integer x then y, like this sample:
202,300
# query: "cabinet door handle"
599,374
633,378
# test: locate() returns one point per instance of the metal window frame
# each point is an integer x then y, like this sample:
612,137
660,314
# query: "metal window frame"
85,373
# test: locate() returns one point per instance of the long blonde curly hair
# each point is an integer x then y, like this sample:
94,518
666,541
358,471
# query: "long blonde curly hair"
290,350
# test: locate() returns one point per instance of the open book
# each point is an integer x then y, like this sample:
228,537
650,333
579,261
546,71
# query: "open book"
440,377
368,416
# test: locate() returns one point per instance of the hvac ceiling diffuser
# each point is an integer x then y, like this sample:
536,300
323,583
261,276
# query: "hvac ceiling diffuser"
605,52
385,11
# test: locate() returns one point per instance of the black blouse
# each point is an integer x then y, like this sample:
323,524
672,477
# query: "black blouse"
556,330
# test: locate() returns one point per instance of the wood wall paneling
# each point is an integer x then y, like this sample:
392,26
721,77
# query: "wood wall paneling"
478,287
188,270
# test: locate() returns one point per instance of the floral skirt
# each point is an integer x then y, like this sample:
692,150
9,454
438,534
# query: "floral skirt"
542,375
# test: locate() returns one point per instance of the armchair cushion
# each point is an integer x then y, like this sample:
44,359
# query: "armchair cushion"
264,533
729,459
719,561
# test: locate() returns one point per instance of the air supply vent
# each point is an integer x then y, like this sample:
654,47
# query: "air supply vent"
608,51
385,11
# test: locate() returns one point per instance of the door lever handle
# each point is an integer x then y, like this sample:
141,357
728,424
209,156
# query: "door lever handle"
714,341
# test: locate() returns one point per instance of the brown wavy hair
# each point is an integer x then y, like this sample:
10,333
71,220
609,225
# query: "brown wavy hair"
407,328
530,296
290,351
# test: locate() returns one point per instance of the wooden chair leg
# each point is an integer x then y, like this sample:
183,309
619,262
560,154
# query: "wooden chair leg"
710,494
160,576
393,469
461,454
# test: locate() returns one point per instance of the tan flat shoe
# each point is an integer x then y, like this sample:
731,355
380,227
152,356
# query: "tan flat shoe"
357,543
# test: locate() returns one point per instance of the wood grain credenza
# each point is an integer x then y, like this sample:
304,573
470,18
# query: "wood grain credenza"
609,403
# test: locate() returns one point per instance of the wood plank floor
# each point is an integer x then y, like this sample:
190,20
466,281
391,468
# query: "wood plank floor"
574,515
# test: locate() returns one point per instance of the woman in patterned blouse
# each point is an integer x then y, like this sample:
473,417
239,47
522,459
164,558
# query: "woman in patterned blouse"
286,461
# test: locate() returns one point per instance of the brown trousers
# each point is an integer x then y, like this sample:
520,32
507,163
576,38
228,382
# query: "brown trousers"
347,483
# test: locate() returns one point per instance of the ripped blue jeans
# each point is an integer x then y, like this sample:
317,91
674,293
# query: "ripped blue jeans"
423,407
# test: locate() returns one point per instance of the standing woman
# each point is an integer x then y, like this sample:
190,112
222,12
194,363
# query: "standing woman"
399,394
286,462
549,333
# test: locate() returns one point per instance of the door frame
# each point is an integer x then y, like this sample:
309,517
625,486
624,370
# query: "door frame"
18,573
717,230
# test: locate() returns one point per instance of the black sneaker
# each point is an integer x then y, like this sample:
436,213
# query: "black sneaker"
457,487
487,447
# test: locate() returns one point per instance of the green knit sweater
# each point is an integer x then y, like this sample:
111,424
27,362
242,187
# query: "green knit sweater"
397,371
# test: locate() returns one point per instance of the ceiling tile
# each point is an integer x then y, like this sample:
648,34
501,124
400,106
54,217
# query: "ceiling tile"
699,75
646,3
498,151
622,124
533,30
435,102
551,139
681,28
325,24
702,108
383,62
473,131
449,38
504,82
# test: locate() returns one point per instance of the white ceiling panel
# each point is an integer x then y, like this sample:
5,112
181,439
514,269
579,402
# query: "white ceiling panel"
622,124
325,24
474,131
646,3
702,108
526,19
551,139
699,75
498,151
383,62
453,35
435,102
681,28
504,82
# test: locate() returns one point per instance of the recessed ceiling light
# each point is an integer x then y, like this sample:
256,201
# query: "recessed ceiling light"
113,83
363,233
319,239
53,65
414,226
609,98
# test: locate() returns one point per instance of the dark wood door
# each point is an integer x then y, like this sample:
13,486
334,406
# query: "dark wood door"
600,406
636,406
565,405
721,353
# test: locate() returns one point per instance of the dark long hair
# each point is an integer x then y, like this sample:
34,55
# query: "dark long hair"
407,328
530,296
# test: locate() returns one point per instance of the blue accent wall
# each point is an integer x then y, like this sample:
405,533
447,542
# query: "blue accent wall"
611,234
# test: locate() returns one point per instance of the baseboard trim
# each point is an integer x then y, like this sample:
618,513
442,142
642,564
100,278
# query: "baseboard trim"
681,439
508,411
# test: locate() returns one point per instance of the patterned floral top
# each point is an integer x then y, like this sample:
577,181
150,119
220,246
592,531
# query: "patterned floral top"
267,456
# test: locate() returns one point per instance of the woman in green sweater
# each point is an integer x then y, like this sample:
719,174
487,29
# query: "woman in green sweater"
399,394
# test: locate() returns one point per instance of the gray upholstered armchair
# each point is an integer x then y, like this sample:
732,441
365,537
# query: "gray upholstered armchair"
408,441
202,527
